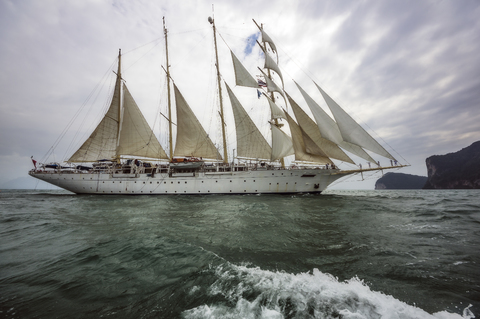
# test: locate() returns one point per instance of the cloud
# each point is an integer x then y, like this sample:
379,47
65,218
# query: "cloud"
408,69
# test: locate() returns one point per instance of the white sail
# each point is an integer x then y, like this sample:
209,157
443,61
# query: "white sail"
329,129
242,77
136,136
102,143
316,144
271,86
299,145
266,38
192,140
282,144
276,112
272,65
250,142
352,131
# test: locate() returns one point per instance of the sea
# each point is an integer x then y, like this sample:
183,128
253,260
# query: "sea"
339,254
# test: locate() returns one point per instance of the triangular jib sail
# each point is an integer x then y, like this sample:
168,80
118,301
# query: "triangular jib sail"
351,131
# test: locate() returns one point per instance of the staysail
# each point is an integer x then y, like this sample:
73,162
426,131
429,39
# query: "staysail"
192,140
136,137
250,142
299,145
329,129
315,143
242,77
352,131
102,143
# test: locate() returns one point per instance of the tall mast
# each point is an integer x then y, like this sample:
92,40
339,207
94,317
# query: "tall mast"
119,83
225,153
170,137
275,120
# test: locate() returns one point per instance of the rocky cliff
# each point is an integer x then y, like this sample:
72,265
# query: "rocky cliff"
400,181
460,170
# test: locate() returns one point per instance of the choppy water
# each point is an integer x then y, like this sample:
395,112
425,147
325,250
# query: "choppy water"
342,254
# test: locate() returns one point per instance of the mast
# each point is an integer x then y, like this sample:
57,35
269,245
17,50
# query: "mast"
119,126
225,153
170,138
275,120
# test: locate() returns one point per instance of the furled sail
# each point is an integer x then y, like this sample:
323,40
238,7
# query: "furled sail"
352,131
329,129
282,144
299,145
136,136
315,143
192,140
250,142
242,77
102,143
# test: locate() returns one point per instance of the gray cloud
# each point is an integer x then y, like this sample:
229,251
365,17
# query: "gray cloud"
407,68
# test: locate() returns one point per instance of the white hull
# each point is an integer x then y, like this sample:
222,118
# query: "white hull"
278,181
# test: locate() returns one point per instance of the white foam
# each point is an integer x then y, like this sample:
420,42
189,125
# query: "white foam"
256,293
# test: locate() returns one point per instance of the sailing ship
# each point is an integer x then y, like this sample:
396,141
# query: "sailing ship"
123,155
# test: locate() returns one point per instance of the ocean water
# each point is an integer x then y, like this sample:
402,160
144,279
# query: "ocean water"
341,254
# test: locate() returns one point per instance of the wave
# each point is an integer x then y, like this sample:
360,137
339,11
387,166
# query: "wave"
248,292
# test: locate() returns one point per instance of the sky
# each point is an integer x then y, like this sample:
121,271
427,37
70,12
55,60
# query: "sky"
408,71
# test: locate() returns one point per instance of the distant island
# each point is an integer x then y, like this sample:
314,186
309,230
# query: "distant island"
460,170
400,181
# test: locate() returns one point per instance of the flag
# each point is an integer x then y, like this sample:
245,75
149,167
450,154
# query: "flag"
259,93
261,83
34,162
